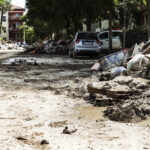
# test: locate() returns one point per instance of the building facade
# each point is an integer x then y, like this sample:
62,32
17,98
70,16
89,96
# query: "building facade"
5,26
11,20
15,21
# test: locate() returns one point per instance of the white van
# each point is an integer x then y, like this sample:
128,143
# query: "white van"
116,40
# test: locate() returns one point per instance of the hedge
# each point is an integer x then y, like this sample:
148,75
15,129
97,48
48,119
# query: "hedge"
136,35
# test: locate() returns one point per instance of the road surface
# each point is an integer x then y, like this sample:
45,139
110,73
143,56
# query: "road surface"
38,101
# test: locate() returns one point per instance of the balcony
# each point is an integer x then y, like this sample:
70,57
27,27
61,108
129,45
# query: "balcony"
14,18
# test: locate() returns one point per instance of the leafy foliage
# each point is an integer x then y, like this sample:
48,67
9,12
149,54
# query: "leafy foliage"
136,35
55,16
58,15
28,32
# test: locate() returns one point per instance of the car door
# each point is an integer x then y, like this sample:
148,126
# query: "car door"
116,41
104,40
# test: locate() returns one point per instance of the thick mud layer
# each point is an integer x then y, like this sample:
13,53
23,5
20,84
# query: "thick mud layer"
131,112
46,106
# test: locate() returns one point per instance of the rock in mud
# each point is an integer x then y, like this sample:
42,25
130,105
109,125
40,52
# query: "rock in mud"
58,124
105,76
68,131
133,112
21,138
44,142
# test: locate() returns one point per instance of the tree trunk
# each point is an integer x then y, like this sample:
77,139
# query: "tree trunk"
110,31
148,6
2,12
68,27
88,25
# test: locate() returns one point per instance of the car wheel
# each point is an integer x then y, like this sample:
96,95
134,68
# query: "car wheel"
70,53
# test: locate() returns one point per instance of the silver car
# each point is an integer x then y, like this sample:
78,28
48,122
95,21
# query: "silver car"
85,43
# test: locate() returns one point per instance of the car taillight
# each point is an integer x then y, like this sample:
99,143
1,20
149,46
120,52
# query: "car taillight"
77,41
98,41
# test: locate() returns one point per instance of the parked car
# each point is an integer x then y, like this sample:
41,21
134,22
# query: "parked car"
85,43
116,39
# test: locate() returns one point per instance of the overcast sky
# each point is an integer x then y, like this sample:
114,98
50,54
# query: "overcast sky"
20,3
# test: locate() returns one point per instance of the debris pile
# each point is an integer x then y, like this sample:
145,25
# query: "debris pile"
13,46
132,112
123,84
19,61
136,60
60,47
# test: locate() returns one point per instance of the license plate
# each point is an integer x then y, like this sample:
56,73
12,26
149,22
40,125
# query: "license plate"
88,43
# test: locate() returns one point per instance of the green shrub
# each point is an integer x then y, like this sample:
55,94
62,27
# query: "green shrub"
136,35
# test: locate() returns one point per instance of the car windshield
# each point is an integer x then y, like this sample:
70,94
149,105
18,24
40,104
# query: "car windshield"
87,36
115,34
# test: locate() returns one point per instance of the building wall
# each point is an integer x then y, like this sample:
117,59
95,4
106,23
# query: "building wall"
5,24
14,23
11,23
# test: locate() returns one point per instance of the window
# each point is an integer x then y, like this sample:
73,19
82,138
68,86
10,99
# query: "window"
116,34
15,25
88,36
17,15
104,35
4,18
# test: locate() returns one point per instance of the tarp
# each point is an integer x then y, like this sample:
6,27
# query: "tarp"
113,60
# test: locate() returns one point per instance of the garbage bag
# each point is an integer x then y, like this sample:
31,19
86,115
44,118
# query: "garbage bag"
137,63
137,50
96,67
117,71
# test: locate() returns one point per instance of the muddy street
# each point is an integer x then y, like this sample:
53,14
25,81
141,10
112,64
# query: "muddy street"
43,106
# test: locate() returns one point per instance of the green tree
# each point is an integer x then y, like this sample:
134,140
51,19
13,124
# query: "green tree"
63,14
54,16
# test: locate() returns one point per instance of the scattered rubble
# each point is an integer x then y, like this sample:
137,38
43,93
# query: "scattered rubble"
44,142
58,124
138,63
18,61
126,98
12,46
111,61
68,131
117,85
120,85
60,47
21,139
128,112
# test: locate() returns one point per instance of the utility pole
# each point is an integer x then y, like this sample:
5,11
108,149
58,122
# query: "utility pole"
124,31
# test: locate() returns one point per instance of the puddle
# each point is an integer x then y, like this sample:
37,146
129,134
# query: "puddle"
90,112
145,122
